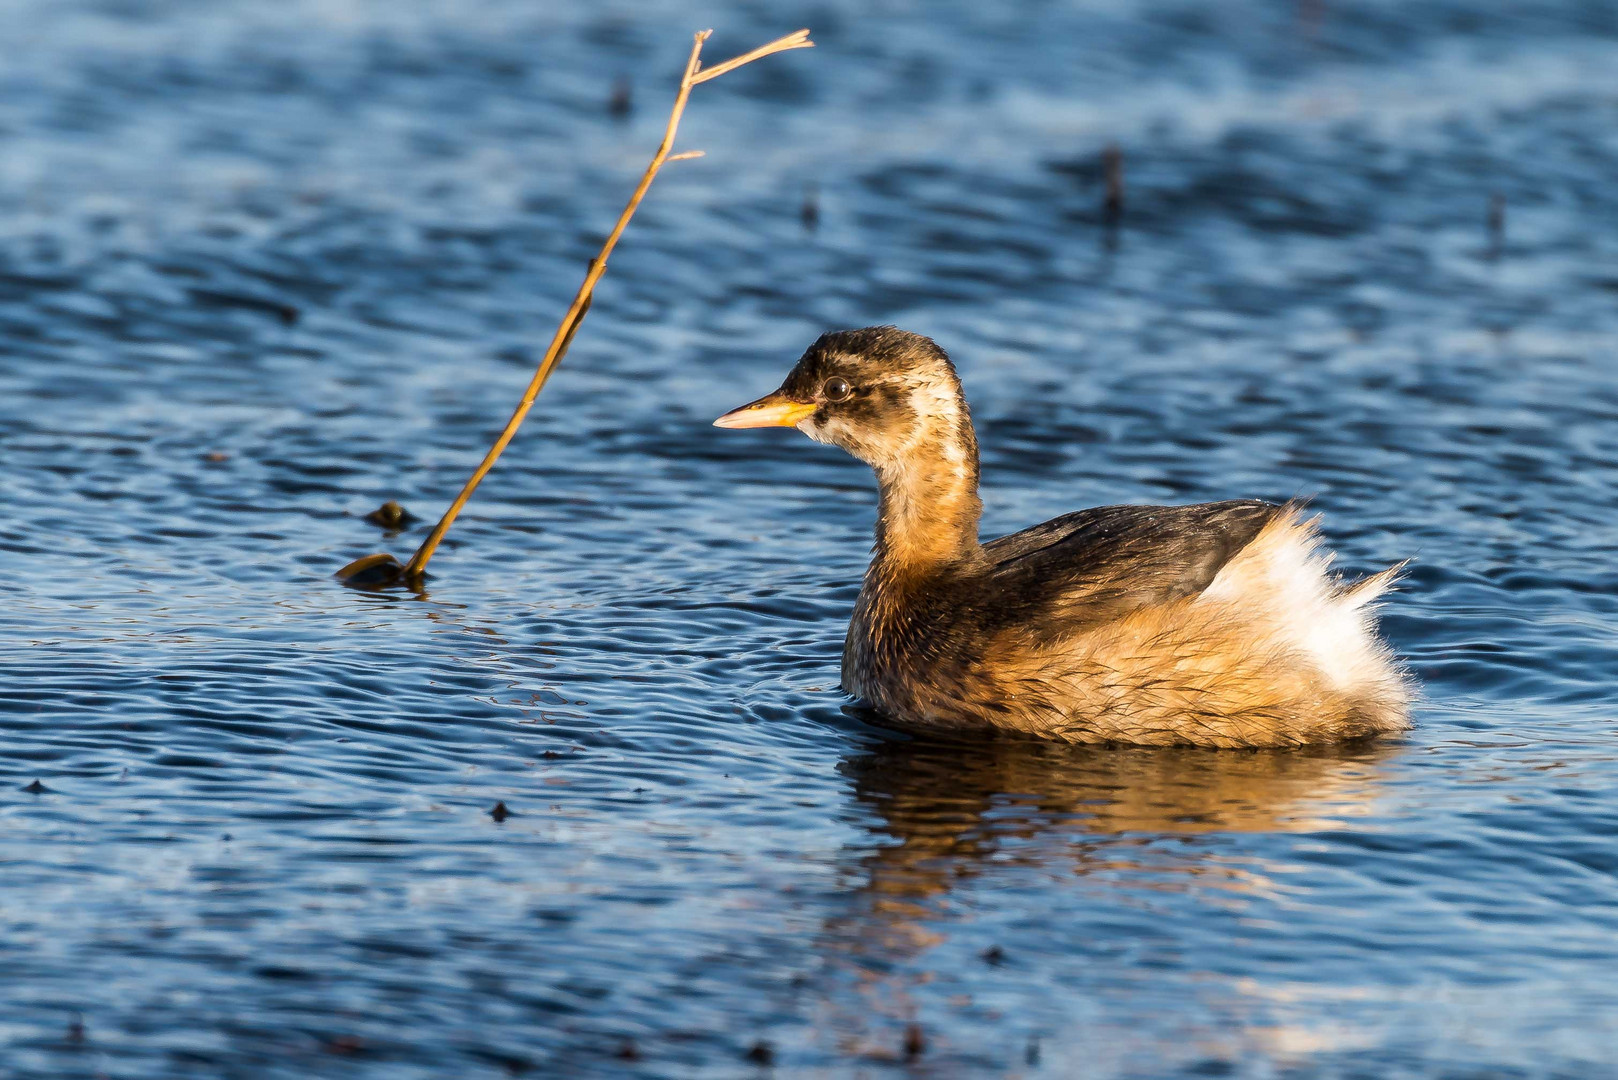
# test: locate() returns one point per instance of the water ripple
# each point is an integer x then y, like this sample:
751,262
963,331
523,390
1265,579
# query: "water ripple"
263,269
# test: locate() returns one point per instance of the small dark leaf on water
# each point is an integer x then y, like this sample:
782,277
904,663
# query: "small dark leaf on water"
499,813
628,1051
390,515
36,788
762,1053
216,456
372,571
75,1031
994,954
915,1042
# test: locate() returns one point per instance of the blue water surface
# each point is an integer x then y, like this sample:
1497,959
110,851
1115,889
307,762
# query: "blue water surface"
263,267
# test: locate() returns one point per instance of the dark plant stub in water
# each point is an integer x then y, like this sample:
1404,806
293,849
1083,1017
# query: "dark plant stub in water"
390,515
622,101
372,572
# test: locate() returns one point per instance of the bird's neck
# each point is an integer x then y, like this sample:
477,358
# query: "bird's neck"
927,517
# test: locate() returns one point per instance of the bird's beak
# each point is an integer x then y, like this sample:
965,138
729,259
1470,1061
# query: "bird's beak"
771,410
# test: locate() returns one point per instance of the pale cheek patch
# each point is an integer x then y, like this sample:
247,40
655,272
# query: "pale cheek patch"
939,409
837,433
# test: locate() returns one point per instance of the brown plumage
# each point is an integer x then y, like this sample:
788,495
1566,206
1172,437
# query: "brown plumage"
1209,625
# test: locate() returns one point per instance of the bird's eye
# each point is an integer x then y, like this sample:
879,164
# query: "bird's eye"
836,389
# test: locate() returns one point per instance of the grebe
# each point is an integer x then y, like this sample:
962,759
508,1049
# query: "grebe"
1210,625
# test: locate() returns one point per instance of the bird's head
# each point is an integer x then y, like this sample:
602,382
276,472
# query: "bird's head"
883,394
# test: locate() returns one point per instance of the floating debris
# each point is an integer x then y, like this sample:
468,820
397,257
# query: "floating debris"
36,788
761,1053
994,955
390,515
628,1051
500,813
809,212
75,1031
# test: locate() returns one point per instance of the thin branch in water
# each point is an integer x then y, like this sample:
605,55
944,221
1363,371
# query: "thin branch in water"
581,299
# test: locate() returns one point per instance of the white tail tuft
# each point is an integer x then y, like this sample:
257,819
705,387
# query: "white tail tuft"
1362,592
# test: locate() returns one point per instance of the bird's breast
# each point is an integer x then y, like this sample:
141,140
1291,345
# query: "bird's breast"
907,645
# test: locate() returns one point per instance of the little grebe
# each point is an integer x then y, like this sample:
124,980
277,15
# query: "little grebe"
1208,625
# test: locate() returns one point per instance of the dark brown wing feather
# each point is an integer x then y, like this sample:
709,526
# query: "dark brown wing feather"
1100,564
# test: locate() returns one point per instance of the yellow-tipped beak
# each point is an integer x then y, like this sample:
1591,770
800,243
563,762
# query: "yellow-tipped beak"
771,410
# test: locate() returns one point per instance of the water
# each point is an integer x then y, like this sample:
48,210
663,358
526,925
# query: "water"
264,267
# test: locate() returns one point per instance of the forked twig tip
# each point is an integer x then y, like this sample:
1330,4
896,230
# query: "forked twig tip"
686,155
797,40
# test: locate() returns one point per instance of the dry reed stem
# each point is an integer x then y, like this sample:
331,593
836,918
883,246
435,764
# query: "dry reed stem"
694,74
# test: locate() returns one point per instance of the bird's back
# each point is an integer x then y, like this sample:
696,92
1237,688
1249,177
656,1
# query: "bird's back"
1097,565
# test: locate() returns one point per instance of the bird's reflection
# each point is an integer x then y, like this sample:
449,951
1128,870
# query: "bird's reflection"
995,818
971,791
952,810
